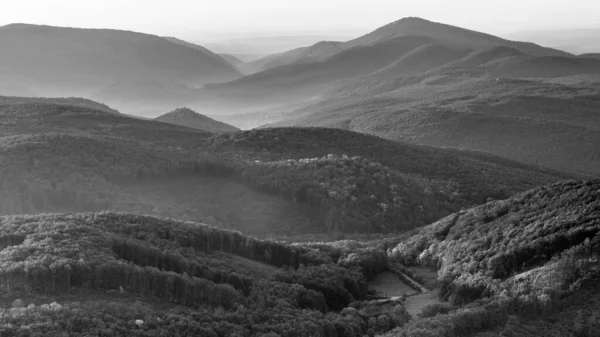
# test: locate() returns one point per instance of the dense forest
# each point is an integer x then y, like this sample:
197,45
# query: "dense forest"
331,181
508,264
517,267
121,257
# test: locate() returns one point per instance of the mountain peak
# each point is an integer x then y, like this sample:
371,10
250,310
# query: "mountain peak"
413,19
449,35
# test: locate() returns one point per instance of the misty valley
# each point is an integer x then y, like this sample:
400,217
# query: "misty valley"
419,179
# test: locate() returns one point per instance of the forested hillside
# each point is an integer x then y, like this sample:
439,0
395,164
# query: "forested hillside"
145,276
285,180
508,264
524,266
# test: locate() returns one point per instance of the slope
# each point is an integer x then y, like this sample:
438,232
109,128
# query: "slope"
513,265
364,65
189,118
544,122
199,48
303,80
421,60
317,52
122,273
454,36
57,61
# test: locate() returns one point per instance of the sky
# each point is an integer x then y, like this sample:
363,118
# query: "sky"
223,19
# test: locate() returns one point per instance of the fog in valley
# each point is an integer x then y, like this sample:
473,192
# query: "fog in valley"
299,168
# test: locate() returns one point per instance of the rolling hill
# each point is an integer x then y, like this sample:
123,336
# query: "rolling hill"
119,273
281,177
58,61
302,80
406,52
525,266
189,118
549,122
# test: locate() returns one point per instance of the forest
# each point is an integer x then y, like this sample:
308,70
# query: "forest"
86,160
512,249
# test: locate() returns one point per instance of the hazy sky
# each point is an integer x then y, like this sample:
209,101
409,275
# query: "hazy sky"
206,19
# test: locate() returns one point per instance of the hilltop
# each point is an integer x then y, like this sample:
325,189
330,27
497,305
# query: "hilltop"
189,118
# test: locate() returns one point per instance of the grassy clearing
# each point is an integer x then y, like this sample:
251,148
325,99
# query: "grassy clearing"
415,303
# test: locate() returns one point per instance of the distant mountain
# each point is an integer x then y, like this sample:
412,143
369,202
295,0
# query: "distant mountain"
265,45
309,73
198,48
547,66
234,61
449,35
421,60
57,61
550,122
576,41
189,118
316,52
302,80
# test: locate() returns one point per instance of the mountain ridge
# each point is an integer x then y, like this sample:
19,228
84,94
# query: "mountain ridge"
414,26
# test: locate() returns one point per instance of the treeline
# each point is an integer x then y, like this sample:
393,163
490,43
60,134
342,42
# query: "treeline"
475,176
202,238
30,280
354,194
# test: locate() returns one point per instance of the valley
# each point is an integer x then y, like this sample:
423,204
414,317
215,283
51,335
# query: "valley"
421,179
